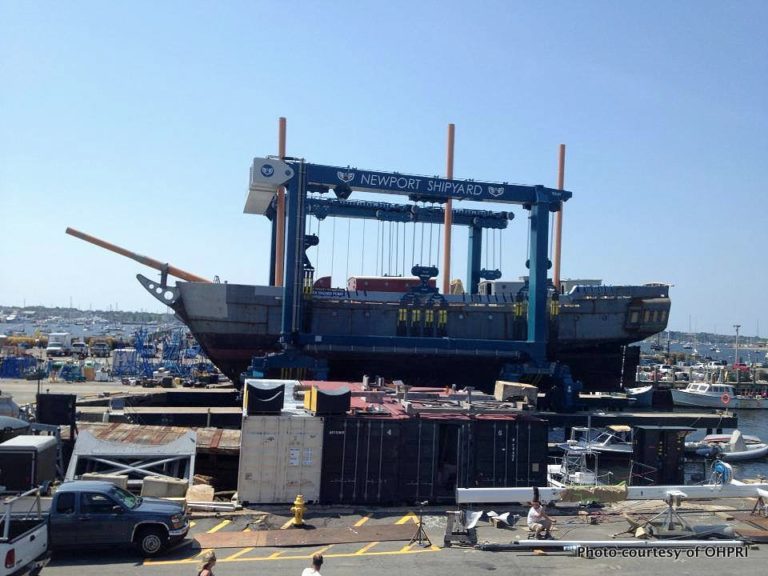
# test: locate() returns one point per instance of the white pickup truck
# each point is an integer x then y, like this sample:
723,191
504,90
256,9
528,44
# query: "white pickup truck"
23,537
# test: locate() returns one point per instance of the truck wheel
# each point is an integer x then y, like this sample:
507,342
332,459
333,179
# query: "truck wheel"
151,541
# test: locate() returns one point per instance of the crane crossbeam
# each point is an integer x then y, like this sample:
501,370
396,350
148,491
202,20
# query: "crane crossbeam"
323,208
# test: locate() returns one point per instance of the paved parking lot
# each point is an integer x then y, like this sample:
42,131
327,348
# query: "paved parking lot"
398,557
190,554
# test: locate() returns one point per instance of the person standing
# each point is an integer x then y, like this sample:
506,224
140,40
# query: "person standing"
314,570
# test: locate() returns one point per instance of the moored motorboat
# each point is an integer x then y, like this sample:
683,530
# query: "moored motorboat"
613,440
643,396
706,395
574,470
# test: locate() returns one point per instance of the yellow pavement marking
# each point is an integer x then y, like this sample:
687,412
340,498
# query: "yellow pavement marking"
219,526
365,548
279,555
287,524
192,524
236,554
408,517
276,554
216,528
322,550
241,552
363,520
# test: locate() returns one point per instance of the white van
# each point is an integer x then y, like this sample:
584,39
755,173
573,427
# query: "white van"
80,349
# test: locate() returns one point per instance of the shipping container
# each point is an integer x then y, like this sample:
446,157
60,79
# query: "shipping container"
360,461
506,453
431,459
280,457
385,283
410,460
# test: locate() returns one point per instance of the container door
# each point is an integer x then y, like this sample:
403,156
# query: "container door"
377,462
418,460
17,470
259,453
360,461
301,450
447,461
530,456
495,454
339,442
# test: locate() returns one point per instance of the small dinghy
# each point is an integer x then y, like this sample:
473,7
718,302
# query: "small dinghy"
729,447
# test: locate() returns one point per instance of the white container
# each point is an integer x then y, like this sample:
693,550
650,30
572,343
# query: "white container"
124,357
280,457
163,487
116,479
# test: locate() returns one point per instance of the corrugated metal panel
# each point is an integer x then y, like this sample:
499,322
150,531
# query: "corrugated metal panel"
280,457
379,461
360,461
419,459
209,440
507,454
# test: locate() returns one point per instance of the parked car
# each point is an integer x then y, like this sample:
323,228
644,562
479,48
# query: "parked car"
24,540
55,349
89,513
80,349
100,349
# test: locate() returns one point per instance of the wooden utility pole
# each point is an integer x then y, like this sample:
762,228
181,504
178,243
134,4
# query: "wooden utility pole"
280,215
559,219
448,221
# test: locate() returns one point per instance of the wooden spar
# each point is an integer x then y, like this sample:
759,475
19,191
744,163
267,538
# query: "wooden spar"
448,221
548,494
151,262
280,214
559,219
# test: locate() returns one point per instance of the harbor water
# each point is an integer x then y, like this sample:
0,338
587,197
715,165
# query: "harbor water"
755,423
706,352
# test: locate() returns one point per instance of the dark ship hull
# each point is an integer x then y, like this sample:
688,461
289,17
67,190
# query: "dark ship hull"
590,329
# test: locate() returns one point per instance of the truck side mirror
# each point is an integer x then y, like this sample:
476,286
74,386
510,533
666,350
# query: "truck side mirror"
117,509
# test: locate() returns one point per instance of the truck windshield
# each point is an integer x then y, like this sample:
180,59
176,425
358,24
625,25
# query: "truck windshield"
126,498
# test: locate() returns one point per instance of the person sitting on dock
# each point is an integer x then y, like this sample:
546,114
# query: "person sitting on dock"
539,521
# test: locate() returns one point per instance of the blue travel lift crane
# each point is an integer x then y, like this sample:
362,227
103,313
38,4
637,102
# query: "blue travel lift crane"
526,357
475,220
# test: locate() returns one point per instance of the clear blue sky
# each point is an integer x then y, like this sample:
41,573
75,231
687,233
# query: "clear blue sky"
137,121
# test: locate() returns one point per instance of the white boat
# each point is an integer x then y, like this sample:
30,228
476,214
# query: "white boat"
706,395
643,395
574,470
729,447
614,439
